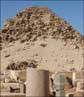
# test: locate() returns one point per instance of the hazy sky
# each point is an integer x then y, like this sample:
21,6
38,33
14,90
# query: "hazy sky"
71,11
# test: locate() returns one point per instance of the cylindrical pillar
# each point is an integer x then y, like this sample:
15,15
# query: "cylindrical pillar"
37,83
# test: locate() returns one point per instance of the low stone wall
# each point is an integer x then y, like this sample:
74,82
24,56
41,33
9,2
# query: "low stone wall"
12,95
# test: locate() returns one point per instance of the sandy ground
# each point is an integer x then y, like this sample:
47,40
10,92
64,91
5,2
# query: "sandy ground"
55,55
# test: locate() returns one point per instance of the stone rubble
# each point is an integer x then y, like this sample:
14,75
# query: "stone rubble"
32,23
22,65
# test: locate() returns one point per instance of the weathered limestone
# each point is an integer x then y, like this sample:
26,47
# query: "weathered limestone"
77,77
12,95
80,87
37,83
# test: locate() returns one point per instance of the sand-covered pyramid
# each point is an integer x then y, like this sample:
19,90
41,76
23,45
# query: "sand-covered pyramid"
40,35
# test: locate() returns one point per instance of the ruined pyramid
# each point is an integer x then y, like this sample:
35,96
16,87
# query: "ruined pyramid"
38,36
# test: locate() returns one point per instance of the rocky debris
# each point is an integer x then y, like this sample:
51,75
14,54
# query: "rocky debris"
72,69
8,55
32,23
43,44
0,47
80,86
22,65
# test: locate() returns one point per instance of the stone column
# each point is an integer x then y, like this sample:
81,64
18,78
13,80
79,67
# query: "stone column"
58,85
74,78
37,83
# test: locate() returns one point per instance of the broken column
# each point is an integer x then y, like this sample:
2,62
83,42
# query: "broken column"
58,85
37,83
